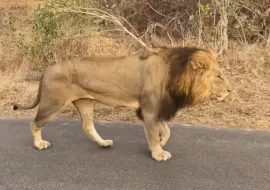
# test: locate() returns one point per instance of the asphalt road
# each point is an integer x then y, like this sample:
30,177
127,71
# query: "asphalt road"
202,158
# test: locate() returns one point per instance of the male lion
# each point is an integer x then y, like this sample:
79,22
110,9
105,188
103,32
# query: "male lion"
156,84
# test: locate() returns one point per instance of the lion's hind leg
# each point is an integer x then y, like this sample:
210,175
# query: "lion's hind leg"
85,107
45,111
38,141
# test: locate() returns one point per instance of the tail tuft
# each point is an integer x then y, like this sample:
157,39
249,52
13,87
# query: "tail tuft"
15,107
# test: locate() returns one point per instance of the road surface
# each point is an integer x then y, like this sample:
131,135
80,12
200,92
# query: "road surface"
202,158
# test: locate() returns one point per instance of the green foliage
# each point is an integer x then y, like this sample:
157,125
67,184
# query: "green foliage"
52,29
205,10
46,24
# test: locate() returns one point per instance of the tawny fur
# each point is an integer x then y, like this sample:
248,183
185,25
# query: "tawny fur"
156,84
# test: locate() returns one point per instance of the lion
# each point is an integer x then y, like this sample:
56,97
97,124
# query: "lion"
155,84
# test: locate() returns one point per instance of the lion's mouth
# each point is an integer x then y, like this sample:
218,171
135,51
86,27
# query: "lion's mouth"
221,97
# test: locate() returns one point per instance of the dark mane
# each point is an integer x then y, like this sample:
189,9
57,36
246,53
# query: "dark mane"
173,99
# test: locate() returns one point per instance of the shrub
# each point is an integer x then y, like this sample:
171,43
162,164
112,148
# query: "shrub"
52,34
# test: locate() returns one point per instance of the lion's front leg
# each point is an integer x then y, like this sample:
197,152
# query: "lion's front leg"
164,133
152,130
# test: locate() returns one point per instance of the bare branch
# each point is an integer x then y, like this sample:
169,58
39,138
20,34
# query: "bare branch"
94,12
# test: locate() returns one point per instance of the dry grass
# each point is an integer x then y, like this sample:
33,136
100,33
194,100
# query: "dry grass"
247,67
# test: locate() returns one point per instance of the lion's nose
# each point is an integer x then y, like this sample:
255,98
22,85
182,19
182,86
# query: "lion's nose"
229,87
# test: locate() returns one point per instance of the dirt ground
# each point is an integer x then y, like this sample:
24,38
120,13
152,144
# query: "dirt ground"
247,67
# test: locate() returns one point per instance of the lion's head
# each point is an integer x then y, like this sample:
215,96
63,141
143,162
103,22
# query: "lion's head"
202,78
195,76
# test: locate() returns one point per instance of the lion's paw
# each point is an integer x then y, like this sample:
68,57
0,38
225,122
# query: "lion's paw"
163,156
106,143
42,144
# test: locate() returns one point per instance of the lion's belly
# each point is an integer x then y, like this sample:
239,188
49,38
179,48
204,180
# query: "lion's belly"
114,101
123,100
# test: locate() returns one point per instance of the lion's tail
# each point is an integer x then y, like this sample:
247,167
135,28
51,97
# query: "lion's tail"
34,104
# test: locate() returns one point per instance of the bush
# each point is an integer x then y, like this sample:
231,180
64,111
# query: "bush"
57,34
209,21
53,33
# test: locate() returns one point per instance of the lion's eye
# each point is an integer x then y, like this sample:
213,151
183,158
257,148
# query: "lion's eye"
219,76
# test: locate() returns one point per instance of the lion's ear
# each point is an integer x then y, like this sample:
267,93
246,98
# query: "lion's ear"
195,64
212,54
198,60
